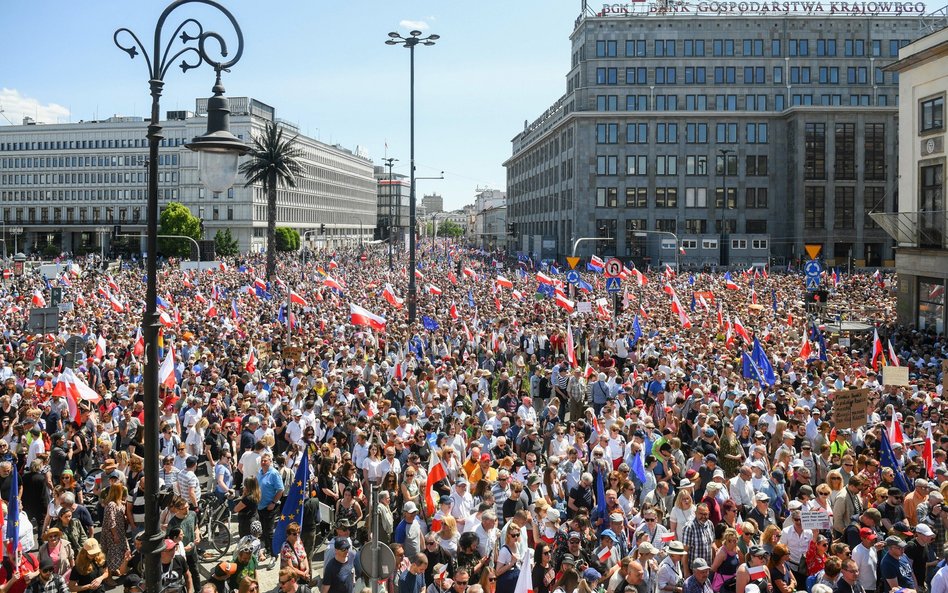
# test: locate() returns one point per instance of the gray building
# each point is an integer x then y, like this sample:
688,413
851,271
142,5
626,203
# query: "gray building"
394,193
743,136
64,187
432,203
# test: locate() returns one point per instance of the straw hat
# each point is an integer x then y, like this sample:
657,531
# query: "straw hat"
51,532
91,546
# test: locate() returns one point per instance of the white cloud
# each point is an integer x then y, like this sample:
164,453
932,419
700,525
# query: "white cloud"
16,107
408,24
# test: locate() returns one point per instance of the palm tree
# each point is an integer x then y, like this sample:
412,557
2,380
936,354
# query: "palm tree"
274,160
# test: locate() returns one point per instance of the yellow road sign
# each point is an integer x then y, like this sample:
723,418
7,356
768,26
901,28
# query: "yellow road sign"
813,249
572,261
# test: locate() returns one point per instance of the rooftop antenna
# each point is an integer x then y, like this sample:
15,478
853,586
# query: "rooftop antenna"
5,115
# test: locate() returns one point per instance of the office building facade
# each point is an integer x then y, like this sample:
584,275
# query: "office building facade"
737,138
394,193
65,187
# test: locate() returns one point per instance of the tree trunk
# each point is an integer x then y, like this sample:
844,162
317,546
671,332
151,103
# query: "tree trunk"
271,224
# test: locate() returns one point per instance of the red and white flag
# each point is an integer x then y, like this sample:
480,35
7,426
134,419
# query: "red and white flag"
166,376
251,364
331,282
680,311
389,295
501,281
604,554
296,299
111,282
640,278
434,290
565,303
38,299
756,572
877,351
100,346
139,348
570,346
470,273
740,330
668,537
364,317
805,350
893,357
525,579
730,284
211,310
544,279
928,453
436,473
895,429
117,305
453,311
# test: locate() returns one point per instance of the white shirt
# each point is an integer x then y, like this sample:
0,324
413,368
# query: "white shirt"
868,561
742,492
250,461
796,542
294,432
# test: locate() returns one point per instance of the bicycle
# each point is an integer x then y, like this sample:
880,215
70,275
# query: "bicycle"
214,524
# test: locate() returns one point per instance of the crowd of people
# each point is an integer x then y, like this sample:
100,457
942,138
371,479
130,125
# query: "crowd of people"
505,440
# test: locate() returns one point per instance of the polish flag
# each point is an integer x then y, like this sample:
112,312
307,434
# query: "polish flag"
389,295
669,290
928,453
680,311
564,302
452,278
604,554
100,346
470,273
259,283
362,316
111,282
893,357
805,350
80,300
436,473
454,312
895,429
332,264
517,295
756,572
12,309
729,333
139,348
570,346
596,264
525,579
419,275
501,281
467,333
38,300
668,537
497,304
544,279
200,298
740,330
251,364
877,351
730,284
753,297
165,319
211,310
669,272
166,376
223,267
640,278
432,289
298,300
116,304
331,282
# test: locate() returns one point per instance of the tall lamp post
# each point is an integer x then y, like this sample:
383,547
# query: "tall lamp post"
414,38
390,162
219,151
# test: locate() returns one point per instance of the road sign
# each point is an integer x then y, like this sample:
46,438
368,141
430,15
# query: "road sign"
613,284
613,268
572,261
813,249
812,283
572,277
73,350
813,268
44,320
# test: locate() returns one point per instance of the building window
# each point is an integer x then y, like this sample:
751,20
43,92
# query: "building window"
694,47
723,47
666,133
606,49
636,103
826,47
636,75
696,164
775,48
607,197
756,227
799,47
873,201
756,197
635,48
695,226
719,164
666,197
760,243
607,76
931,304
666,165
696,102
932,205
696,197
636,165
607,103
932,114
696,133
636,133
726,133
757,133
667,225
729,202
814,207
845,151
607,133
845,208
607,165
738,243
814,161
756,165
875,152
709,243
689,244
778,74
636,197
664,48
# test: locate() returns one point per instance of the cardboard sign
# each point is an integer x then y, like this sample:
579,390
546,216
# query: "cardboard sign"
294,353
814,520
844,343
850,408
895,375
584,307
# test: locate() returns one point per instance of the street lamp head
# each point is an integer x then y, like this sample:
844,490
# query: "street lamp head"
218,147
429,43
415,33
394,35
391,42
434,37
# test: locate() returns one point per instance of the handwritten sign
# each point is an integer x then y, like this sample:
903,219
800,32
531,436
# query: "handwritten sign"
815,519
895,375
584,307
294,353
850,407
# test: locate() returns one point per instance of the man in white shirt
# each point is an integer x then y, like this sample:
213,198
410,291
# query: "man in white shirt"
462,503
294,428
797,539
866,556
487,533
741,489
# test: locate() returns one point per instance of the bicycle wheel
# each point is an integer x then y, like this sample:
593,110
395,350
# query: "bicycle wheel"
220,537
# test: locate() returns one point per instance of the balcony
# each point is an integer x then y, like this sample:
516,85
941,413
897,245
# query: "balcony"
923,230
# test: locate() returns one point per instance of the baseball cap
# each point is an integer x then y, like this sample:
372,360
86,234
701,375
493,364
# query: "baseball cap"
922,529
867,533
341,543
895,541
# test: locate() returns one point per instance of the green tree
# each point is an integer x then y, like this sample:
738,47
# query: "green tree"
274,160
287,239
176,219
225,244
450,228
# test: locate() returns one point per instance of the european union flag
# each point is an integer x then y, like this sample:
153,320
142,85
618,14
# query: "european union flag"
546,290
600,495
636,330
584,286
763,363
13,515
429,323
693,302
638,465
160,302
691,281
263,294
817,336
887,457
749,368
293,507
773,295
470,298
281,315
553,269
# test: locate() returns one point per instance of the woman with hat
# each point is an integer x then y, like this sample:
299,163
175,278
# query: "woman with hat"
754,570
670,576
58,550
90,571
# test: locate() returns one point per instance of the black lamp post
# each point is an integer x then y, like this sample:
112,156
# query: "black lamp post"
390,162
219,152
414,38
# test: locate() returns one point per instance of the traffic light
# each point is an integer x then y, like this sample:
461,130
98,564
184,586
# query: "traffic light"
322,228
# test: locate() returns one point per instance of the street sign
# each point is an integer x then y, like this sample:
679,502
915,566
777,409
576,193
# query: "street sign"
572,261
613,284
813,268
613,268
44,320
812,283
813,249
572,277
73,350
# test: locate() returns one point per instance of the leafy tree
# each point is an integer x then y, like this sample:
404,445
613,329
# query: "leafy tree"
450,228
274,160
287,239
225,244
176,219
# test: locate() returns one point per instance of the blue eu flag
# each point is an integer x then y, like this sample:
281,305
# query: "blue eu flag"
429,323
887,457
293,507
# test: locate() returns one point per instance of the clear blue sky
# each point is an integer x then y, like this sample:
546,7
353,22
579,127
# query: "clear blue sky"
323,65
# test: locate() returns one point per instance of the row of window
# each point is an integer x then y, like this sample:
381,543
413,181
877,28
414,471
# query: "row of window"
844,208
755,165
87,144
731,102
74,178
49,195
669,48
695,133
668,197
692,226
62,162
814,161
749,75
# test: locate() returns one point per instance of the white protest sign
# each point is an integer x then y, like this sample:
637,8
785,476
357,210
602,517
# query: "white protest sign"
815,520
